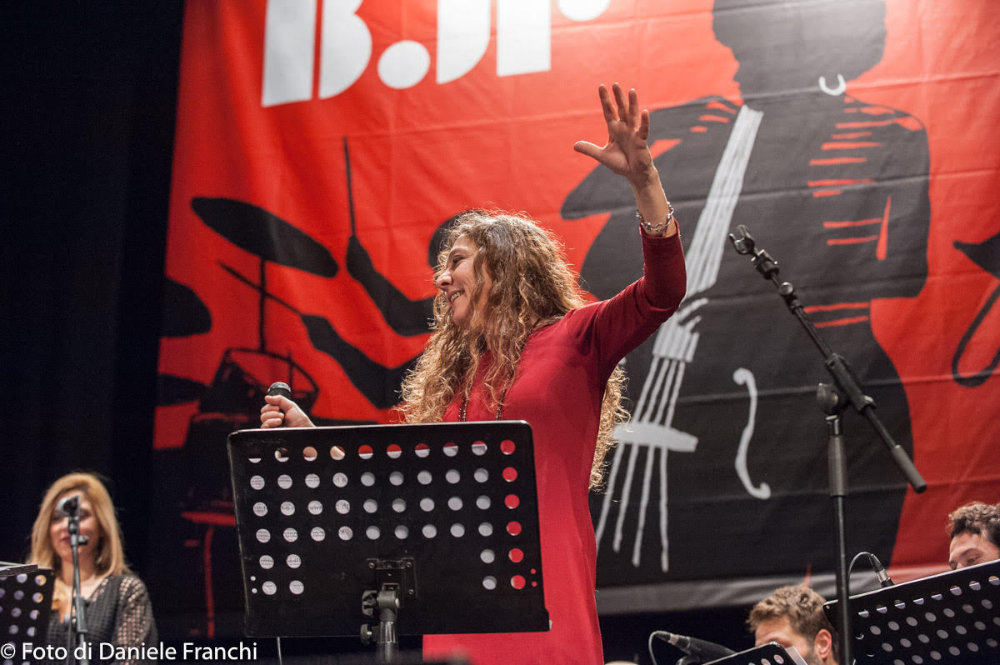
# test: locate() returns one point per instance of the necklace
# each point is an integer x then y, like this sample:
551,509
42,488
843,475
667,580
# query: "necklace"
465,405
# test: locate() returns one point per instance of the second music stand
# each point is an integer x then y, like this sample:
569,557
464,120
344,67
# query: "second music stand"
952,617
766,654
25,605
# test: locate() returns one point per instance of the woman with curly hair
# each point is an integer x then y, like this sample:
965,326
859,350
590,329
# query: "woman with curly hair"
118,609
513,338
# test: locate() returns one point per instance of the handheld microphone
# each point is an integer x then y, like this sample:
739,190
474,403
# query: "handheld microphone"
702,649
280,388
69,505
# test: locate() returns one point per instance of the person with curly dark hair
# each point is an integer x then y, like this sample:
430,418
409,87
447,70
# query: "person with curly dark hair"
513,338
975,534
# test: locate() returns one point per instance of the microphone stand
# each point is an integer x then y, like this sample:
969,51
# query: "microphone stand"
79,619
833,399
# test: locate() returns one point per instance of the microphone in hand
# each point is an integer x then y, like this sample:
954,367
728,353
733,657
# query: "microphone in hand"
276,413
280,388
272,415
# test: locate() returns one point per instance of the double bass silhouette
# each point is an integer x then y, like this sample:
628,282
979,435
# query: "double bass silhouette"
837,188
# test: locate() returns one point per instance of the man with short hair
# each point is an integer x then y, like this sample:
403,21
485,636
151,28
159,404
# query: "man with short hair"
975,534
793,617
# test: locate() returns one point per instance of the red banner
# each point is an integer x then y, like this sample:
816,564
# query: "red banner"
321,146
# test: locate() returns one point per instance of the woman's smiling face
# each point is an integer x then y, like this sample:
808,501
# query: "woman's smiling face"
458,281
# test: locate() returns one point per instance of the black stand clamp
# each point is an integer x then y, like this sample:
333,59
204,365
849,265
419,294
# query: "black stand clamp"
395,580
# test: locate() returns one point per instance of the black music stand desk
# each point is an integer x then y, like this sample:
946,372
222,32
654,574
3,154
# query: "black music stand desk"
766,654
952,618
443,515
25,605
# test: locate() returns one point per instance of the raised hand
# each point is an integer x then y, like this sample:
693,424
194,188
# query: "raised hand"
626,152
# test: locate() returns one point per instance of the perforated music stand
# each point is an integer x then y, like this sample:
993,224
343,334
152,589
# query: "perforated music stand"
767,654
25,605
953,618
447,514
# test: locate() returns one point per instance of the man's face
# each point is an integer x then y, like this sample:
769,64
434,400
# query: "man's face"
780,630
968,549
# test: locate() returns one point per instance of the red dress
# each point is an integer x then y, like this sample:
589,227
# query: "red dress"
558,390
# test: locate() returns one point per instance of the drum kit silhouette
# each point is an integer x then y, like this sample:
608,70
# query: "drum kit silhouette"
197,474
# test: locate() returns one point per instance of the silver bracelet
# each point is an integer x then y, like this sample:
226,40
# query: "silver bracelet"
658,229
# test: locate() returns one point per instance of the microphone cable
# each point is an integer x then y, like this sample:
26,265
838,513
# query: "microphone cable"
880,572
649,645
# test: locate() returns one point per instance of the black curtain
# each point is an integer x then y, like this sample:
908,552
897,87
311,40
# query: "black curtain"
89,93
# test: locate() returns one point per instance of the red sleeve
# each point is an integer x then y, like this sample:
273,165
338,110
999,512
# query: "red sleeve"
610,329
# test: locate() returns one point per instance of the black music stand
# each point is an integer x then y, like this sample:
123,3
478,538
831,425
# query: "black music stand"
952,618
767,654
433,528
25,605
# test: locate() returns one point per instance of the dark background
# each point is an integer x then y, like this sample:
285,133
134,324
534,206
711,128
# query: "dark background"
89,108
90,100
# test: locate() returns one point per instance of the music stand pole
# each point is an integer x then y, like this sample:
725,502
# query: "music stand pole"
387,644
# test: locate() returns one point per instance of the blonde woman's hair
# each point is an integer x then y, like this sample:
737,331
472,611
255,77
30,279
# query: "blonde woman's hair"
532,286
109,552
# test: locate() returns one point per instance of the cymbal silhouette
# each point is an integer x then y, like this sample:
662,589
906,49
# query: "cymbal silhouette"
184,313
264,234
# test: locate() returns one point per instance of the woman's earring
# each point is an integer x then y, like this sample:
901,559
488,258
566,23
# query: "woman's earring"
834,92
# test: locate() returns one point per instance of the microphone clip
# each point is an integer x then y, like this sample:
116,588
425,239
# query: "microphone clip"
762,261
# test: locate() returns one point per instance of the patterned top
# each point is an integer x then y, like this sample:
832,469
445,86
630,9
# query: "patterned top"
118,612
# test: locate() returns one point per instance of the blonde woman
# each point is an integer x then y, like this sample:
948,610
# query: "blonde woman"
513,339
117,605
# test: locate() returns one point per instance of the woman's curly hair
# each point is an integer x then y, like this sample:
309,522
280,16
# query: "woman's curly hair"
532,286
